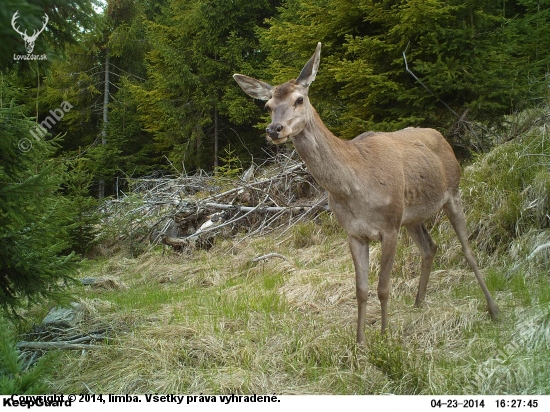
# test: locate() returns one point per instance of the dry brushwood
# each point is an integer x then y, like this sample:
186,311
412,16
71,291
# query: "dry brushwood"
192,210
56,345
44,338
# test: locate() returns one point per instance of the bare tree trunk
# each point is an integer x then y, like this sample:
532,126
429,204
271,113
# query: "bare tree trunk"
105,118
215,138
37,89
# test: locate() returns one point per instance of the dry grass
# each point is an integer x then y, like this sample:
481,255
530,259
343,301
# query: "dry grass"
213,322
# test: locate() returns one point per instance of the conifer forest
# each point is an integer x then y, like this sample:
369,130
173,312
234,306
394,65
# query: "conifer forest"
110,108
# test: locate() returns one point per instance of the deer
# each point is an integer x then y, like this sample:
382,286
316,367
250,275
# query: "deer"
376,183
29,40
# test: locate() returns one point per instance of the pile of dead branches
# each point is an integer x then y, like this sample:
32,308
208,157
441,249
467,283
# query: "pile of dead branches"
193,210
44,338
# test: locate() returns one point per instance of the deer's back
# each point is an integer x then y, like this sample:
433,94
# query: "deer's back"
419,166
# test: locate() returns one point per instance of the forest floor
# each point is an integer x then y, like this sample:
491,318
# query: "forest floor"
215,322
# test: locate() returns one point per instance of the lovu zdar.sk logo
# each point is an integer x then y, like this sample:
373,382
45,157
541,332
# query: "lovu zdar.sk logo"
29,40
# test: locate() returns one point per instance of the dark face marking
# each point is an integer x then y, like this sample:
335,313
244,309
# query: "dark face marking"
283,90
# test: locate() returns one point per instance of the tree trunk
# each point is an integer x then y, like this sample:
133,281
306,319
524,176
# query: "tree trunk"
105,118
215,138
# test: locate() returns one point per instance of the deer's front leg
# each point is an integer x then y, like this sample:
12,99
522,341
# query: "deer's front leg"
389,246
360,254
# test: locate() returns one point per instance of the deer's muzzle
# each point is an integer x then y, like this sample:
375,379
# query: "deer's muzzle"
274,130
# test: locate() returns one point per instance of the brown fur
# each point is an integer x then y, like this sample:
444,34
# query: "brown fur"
284,89
376,183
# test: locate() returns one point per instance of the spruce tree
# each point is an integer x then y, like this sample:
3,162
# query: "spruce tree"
190,101
80,206
483,58
15,379
33,226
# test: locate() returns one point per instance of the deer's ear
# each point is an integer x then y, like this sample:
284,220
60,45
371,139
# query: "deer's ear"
309,71
254,88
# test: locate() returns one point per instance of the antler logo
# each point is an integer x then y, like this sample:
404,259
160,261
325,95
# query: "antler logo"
29,40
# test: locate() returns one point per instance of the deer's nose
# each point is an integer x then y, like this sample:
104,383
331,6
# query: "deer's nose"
273,130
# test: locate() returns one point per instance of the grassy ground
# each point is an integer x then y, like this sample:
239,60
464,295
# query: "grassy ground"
214,322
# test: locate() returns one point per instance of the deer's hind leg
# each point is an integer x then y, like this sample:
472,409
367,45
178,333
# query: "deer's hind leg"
455,212
422,239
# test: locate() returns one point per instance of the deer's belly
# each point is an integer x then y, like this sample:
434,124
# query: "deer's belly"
363,225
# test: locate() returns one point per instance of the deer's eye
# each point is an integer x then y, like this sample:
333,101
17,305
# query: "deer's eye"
299,100
267,108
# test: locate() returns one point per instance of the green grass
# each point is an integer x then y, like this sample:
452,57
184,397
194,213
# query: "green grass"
148,297
214,322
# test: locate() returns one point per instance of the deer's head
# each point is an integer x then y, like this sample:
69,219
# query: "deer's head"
287,103
29,40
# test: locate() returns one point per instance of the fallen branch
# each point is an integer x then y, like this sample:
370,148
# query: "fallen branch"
270,209
175,211
56,345
269,256
537,250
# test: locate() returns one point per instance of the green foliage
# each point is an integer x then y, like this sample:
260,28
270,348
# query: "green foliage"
14,380
119,233
305,234
33,225
170,88
506,192
468,54
80,80
81,206
171,94
231,166
405,367
61,31
530,35
190,97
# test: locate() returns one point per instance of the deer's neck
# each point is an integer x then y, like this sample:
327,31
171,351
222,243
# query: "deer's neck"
327,157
